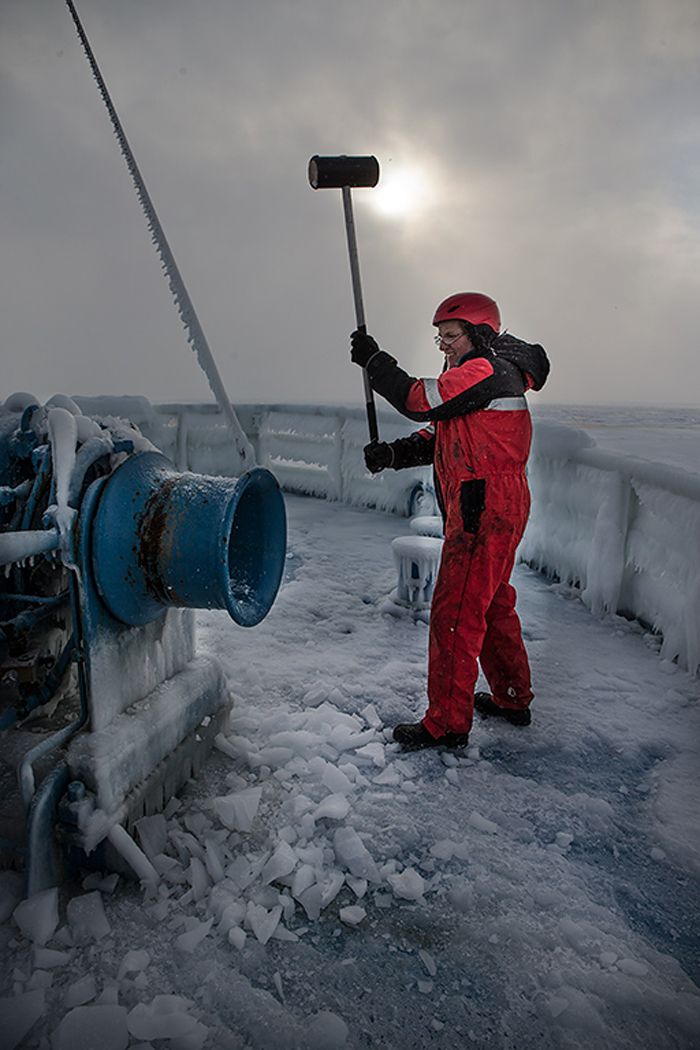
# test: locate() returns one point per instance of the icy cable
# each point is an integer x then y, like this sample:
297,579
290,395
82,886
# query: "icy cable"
188,316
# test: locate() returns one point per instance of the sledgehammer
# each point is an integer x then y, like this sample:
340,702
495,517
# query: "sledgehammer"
344,173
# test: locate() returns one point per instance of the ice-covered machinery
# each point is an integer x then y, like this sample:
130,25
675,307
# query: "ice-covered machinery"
106,709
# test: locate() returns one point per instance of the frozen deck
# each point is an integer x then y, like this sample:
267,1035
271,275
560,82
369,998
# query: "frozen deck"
540,891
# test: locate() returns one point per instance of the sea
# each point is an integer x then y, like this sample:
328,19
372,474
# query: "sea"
660,434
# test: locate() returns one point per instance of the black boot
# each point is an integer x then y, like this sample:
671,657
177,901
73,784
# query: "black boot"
484,704
413,736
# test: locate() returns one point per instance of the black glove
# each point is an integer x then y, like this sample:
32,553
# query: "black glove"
378,455
363,347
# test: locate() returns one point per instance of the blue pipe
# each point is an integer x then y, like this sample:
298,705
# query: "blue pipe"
33,599
30,618
43,803
43,469
41,873
45,747
10,494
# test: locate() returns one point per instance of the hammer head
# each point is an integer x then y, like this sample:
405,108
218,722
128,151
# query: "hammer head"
333,173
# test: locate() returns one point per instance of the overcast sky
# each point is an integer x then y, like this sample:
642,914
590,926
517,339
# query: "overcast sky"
553,146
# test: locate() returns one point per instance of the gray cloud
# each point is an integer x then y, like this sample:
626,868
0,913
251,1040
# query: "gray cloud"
560,141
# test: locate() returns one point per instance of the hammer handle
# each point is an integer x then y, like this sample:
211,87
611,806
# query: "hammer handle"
359,308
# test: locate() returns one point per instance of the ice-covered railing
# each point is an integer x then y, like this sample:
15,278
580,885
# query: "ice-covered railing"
311,449
624,530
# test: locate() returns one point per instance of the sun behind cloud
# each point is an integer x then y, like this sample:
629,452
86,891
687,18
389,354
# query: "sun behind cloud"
402,191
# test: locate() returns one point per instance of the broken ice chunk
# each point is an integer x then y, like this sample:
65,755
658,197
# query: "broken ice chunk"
40,979
133,962
48,959
374,752
166,1017
388,777
277,978
80,992
238,811
310,900
333,807
197,822
409,885
110,994
326,1031
199,880
241,872
87,919
282,862
304,876
187,942
283,934
428,961
358,886
369,713
262,922
331,776
351,852
482,824
344,739
237,937
352,915
153,834
37,916
331,887
92,1028
214,861
316,695
232,915
233,746
443,850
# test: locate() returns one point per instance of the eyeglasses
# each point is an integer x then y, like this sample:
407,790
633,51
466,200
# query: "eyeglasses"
447,340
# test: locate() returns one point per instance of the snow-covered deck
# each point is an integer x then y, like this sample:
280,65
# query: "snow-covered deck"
542,890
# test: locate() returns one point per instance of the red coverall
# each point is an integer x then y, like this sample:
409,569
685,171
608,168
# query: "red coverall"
479,443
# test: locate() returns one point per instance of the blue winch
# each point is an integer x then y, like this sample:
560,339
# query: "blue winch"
106,709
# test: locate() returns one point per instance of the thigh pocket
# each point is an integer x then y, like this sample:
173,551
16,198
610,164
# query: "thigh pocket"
472,497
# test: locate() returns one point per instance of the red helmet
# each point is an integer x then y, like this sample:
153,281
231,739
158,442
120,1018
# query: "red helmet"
469,306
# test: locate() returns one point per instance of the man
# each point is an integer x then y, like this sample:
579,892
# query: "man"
478,438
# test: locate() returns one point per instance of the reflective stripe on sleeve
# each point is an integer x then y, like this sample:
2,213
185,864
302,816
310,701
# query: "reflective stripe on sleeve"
507,404
432,393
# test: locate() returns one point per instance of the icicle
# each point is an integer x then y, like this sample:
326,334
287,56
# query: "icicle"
132,854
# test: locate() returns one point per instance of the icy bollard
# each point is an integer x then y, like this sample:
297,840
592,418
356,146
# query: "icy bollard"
427,525
417,560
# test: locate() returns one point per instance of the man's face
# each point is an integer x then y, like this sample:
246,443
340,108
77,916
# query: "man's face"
454,341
